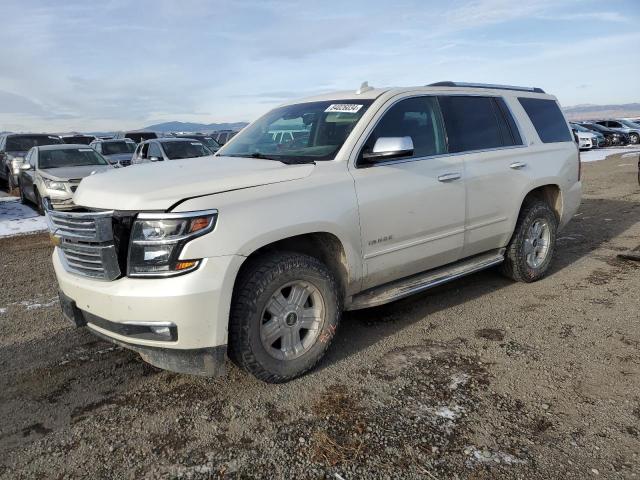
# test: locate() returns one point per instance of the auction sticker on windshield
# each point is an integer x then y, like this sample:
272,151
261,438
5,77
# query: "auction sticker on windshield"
343,107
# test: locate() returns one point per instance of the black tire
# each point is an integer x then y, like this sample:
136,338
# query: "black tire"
255,286
9,183
23,199
634,139
38,202
515,265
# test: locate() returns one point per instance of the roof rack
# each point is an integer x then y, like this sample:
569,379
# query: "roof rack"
486,85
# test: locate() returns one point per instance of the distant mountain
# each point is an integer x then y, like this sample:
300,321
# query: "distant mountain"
194,127
588,112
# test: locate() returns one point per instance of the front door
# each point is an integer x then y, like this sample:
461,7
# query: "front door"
412,209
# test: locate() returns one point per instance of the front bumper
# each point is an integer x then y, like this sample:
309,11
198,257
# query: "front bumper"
197,304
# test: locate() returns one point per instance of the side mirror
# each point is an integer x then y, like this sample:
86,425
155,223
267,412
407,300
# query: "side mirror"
25,166
387,148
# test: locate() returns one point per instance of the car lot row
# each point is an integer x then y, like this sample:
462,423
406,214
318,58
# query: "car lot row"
590,134
50,166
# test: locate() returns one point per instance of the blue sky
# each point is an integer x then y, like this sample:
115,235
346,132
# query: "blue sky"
112,64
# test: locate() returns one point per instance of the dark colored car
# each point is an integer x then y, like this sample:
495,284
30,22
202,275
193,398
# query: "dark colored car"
14,147
169,149
117,152
78,139
611,136
223,136
207,140
624,126
137,136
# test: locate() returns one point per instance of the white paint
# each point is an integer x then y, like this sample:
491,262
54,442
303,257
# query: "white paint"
19,219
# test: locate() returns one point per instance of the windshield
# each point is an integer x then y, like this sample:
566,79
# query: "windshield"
24,143
139,137
208,141
85,139
629,124
114,148
71,157
580,128
302,132
178,150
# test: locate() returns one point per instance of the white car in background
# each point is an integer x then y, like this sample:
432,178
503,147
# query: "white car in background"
586,140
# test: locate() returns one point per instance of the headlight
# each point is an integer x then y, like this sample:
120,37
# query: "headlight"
54,185
157,241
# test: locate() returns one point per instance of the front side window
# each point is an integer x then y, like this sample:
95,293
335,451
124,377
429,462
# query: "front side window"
472,123
154,151
302,132
188,149
418,118
547,119
71,157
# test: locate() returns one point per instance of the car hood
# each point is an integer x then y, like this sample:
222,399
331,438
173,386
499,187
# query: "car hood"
160,185
67,173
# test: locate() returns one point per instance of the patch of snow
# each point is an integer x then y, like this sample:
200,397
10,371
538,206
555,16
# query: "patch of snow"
32,304
3,311
485,456
19,219
602,153
448,413
457,380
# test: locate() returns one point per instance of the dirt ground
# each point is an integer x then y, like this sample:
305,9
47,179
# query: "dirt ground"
479,379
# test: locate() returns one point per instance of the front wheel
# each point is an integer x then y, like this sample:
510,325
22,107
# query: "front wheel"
38,202
285,311
531,248
634,139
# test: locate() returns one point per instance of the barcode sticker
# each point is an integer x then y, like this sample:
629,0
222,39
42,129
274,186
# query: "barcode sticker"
343,108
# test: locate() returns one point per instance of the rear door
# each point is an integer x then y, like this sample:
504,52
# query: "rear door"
483,132
412,209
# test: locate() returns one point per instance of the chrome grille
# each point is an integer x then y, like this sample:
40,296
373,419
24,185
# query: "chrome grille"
85,242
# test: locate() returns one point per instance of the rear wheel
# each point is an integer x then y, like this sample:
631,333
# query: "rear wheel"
285,311
23,199
531,249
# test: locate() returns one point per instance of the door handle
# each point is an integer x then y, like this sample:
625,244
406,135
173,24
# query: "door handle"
449,177
517,165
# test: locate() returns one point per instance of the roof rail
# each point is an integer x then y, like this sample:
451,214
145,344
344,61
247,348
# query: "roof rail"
486,85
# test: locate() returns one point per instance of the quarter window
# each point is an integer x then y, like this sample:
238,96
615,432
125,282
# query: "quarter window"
547,119
418,118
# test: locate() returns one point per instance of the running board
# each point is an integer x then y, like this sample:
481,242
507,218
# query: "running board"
402,288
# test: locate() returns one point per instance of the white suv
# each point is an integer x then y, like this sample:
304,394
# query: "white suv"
255,253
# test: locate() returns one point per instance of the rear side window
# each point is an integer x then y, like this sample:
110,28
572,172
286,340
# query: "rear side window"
547,119
477,123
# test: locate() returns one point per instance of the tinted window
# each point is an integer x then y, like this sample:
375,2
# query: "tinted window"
418,118
84,139
113,148
547,119
511,134
72,157
472,123
23,143
154,151
178,150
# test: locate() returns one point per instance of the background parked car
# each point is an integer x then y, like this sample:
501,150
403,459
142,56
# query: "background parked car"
135,135
223,136
169,149
207,140
117,152
78,139
593,138
612,137
620,126
55,171
13,148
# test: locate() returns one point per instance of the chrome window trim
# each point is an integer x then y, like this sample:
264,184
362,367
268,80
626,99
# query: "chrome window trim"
403,96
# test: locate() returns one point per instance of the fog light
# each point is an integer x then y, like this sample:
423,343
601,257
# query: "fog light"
164,331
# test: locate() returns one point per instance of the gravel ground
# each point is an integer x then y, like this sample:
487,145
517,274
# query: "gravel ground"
481,378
